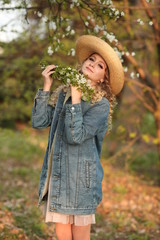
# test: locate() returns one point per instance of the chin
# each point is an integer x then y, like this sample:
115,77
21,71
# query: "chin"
88,73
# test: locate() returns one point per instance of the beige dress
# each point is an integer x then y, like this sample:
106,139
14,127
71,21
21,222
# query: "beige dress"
78,220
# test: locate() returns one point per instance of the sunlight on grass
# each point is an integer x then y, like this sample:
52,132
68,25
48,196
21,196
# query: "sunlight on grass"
119,189
30,222
17,145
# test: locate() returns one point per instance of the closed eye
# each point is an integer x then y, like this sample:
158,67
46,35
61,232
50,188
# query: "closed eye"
91,58
100,66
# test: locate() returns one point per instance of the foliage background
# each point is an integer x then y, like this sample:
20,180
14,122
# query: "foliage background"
130,153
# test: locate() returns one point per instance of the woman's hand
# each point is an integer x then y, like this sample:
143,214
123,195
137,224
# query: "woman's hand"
47,78
76,95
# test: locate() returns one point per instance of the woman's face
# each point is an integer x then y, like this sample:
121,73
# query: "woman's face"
94,68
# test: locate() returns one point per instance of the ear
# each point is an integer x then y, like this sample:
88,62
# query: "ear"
101,80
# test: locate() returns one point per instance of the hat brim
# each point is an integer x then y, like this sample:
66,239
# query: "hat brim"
88,44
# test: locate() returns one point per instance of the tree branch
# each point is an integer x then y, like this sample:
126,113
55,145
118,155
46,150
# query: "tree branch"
152,17
140,97
123,150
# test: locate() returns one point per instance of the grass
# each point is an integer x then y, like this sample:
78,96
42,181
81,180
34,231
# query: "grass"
17,145
20,172
21,160
148,124
146,165
29,222
119,189
135,237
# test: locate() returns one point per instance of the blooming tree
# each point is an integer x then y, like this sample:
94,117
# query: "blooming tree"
63,21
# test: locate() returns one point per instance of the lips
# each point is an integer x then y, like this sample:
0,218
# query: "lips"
89,69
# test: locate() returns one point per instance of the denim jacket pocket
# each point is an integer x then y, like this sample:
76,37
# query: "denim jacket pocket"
87,174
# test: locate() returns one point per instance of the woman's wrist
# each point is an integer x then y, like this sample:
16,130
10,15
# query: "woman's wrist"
76,95
75,101
46,88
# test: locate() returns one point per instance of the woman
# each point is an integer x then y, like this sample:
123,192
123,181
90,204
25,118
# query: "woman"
71,176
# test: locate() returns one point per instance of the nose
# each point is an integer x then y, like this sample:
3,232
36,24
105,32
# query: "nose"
91,64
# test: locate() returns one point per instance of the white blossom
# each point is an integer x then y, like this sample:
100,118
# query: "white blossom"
122,14
86,23
133,54
110,37
105,33
125,69
52,25
132,75
82,80
72,32
71,5
39,14
140,21
118,52
117,12
68,80
75,2
96,29
92,20
127,53
150,23
45,18
56,49
77,76
109,2
50,51
68,28
137,75
73,52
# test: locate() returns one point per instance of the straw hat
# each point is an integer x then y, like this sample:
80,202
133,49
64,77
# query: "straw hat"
88,44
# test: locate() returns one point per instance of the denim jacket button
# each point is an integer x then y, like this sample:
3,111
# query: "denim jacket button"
72,108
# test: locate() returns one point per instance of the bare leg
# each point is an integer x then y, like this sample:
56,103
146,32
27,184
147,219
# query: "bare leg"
63,231
81,232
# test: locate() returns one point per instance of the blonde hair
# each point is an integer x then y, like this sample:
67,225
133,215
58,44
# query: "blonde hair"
105,86
107,93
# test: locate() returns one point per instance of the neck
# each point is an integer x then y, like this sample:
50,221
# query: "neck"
92,84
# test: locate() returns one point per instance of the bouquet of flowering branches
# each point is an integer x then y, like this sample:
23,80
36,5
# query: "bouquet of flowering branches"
68,75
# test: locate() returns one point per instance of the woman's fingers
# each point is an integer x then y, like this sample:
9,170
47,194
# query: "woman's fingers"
49,67
47,71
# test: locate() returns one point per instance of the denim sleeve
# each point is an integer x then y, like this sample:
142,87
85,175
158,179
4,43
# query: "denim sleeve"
42,112
79,128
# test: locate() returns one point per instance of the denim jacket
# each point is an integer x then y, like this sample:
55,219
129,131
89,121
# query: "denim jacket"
76,181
